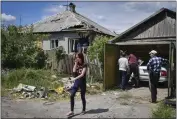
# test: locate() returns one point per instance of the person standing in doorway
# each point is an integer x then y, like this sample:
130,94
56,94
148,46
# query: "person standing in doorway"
154,67
133,68
123,68
79,71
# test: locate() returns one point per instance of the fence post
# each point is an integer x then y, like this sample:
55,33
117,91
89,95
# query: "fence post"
99,66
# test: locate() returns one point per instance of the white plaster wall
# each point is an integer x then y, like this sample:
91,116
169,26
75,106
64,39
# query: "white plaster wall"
62,40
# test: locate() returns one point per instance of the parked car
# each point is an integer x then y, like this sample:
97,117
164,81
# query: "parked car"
144,75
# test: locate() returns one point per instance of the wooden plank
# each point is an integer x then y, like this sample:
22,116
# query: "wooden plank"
70,64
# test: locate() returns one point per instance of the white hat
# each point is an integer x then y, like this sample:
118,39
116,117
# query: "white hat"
153,52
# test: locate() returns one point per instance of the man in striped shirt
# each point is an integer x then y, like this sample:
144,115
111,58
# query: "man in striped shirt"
154,66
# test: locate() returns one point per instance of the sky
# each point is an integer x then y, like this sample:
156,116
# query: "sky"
116,16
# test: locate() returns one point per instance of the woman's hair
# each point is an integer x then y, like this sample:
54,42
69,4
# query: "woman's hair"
81,56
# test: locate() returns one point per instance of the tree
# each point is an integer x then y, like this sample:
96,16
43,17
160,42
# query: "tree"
18,47
96,49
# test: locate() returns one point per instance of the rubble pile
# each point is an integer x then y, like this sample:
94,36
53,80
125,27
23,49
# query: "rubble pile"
28,91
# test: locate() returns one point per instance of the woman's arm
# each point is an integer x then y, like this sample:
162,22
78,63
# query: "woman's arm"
75,66
81,75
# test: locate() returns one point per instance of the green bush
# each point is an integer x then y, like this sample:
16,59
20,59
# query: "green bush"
96,49
41,59
60,54
19,47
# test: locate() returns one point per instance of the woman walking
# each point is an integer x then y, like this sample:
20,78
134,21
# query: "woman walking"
79,71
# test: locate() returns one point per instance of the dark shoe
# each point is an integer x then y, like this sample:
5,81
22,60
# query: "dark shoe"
83,112
136,86
152,101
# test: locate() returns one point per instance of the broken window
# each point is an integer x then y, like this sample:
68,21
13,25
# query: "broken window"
54,44
78,45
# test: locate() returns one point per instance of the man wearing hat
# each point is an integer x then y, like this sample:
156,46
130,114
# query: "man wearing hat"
154,66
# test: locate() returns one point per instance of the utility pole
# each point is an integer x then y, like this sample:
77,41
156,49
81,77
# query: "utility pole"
67,5
20,20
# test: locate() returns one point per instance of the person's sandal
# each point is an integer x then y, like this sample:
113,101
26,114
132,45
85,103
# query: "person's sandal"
70,114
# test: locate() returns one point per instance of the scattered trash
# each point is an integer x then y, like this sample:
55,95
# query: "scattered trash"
115,93
42,93
59,90
48,103
88,85
77,94
21,87
68,83
28,91
54,76
103,94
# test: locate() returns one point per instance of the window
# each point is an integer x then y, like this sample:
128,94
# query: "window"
73,46
54,44
76,45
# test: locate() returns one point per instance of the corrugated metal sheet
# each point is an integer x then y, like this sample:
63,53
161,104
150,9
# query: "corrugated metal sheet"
66,20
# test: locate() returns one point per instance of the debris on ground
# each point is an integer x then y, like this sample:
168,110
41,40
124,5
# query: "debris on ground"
54,76
24,87
28,91
59,90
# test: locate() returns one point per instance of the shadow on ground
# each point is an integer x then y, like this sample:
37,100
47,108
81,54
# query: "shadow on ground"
160,85
95,111
92,111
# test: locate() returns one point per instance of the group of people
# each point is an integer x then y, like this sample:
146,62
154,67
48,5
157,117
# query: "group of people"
130,64
127,66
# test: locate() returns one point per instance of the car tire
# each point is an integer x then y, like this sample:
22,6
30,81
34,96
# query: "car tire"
166,84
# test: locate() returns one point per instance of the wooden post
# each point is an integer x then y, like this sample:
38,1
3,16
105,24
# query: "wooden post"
99,66
169,72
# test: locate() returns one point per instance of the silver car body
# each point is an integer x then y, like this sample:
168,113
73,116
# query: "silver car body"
144,75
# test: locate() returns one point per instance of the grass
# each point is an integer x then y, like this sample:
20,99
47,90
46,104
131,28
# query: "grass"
163,111
39,78
32,77
125,96
95,88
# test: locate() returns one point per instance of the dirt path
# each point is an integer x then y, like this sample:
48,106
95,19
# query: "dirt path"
113,104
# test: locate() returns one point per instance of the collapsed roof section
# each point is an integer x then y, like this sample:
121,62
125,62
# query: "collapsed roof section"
69,20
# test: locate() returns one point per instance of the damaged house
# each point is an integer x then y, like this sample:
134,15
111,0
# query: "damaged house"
68,29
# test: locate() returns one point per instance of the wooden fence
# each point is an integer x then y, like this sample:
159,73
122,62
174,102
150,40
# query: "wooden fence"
94,70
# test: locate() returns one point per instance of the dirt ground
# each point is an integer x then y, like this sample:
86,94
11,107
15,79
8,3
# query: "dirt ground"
132,103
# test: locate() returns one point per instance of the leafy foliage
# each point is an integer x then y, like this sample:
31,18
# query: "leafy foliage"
38,78
60,54
41,59
96,50
19,47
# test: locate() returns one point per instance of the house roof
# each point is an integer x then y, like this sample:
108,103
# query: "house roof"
64,20
162,10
